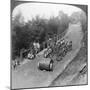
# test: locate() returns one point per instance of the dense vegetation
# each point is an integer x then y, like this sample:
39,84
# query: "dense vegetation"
38,29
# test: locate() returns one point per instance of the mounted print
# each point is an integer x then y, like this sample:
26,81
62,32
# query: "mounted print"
49,44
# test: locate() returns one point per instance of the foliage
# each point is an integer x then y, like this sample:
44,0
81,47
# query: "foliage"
38,29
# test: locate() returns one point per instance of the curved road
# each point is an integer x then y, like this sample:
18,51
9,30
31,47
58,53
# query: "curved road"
28,75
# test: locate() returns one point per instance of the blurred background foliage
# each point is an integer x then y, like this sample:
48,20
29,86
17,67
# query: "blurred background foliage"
40,29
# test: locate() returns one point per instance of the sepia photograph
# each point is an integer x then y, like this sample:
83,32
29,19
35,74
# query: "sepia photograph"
49,44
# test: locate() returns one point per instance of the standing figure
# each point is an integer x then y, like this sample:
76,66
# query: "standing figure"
36,46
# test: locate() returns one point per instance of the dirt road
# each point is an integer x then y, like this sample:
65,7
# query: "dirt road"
28,75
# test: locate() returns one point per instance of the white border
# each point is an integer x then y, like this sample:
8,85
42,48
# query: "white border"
5,45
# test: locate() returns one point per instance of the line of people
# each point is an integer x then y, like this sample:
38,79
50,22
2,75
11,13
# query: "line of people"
60,48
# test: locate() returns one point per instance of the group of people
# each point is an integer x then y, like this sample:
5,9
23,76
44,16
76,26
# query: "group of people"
63,48
27,53
58,48
15,63
34,50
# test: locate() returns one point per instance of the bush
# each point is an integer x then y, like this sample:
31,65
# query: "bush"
37,29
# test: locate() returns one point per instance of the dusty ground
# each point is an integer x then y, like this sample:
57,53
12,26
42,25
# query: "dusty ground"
66,72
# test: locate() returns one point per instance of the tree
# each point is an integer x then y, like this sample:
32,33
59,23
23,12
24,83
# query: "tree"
63,21
38,29
81,17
